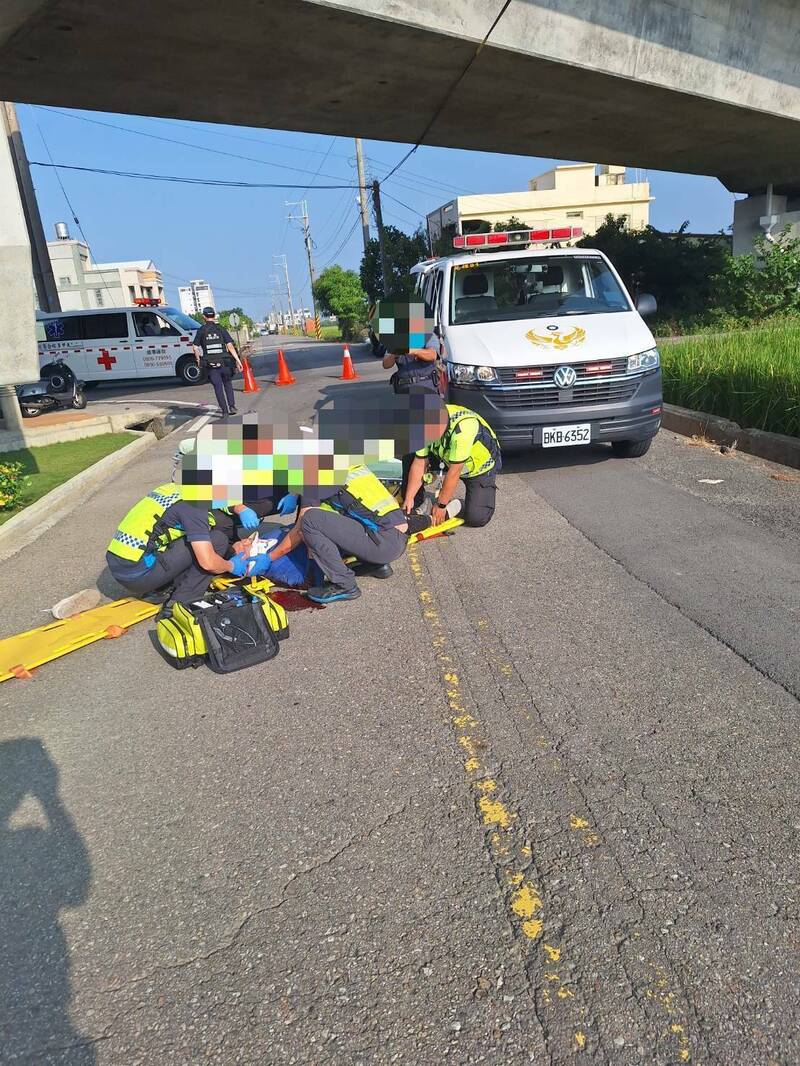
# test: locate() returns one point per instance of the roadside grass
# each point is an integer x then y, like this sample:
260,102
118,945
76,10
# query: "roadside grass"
752,377
330,333
51,465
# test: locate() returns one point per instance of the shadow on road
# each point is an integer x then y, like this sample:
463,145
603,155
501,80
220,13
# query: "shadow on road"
44,867
525,462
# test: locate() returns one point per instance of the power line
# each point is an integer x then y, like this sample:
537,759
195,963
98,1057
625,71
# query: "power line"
184,144
213,182
72,211
450,91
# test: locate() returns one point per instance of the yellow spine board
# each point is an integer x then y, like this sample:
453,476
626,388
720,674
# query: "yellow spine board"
25,651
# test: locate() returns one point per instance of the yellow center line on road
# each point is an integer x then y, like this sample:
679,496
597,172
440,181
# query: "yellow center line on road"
512,855
510,852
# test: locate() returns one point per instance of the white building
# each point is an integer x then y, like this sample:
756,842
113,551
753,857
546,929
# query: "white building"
83,284
578,195
195,296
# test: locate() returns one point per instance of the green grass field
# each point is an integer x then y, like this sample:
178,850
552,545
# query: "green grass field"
54,464
330,333
751,377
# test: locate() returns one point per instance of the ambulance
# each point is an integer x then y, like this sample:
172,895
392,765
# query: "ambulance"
544,341
118,343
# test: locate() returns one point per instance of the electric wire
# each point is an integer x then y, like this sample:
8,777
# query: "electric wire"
72,211
212,182
184,144
451,90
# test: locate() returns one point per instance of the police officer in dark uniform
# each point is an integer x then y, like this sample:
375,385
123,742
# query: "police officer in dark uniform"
215,346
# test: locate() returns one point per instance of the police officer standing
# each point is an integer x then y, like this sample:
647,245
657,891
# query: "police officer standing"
215,346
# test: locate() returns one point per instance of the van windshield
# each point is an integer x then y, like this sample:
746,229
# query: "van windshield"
540,287
179,318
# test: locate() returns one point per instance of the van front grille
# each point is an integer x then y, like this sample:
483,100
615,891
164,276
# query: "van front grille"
583,393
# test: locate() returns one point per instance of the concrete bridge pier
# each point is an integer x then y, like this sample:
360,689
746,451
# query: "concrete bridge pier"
764,212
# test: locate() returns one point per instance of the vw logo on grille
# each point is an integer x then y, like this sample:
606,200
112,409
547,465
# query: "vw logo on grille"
565,377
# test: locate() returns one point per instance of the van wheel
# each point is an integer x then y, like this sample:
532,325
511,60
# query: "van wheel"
189,372
631,449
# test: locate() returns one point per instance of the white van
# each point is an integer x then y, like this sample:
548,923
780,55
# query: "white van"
116,343
545,343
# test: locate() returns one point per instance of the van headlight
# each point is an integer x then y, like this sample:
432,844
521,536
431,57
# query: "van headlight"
468,374
648,360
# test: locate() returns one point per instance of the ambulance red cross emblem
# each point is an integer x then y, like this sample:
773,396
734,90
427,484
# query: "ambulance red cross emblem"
105,359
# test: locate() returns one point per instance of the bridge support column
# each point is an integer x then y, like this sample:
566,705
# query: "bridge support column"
761,213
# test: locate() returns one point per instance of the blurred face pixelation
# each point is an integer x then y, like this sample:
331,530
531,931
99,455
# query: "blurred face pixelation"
245,460
402,325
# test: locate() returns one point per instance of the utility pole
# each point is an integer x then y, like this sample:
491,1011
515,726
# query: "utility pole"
280,260
46,290
362,193
303,219
275,281
385,265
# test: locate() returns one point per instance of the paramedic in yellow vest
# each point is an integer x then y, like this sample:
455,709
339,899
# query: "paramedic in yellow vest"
361,519
165,541
470,452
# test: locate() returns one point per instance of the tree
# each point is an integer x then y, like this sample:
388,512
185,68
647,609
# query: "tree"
224,319
511,223
339,292
404,251
197,317
680,270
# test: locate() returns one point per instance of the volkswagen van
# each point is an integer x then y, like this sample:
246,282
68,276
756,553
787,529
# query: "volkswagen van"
116,343
545,342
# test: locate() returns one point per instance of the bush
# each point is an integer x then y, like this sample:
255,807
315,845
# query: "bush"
12,482
339,293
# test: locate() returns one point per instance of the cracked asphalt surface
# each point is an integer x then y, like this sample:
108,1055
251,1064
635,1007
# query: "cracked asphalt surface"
534,800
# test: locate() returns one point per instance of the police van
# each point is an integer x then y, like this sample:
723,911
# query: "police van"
116,343
545,341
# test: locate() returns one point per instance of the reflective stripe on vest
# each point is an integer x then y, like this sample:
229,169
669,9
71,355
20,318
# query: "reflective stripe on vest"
369,495
137,530
485,454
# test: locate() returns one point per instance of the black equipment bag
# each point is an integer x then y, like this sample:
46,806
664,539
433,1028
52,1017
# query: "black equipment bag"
237,635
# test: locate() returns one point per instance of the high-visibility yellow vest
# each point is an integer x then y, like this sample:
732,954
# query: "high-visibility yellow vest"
366,499
141,530
485,452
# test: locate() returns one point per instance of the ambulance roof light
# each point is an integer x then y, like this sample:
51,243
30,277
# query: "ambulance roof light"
519,237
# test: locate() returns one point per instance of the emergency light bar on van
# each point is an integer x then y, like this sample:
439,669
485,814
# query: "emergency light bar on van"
517,236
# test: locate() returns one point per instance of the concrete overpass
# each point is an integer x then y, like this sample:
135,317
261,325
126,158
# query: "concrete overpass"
700,86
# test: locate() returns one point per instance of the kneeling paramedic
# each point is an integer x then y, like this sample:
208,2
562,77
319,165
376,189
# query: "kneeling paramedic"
165,540
361,519
470,451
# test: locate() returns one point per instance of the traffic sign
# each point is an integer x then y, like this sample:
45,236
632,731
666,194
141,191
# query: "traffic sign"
234,319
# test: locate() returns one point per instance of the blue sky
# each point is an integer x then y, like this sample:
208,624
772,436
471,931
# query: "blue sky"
228,236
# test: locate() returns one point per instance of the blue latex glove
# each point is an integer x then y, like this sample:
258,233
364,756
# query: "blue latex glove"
248,518
261,565
288,504
239,565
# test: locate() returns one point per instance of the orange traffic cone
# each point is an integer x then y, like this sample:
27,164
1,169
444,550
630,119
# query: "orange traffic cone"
285,376
348,370
250,383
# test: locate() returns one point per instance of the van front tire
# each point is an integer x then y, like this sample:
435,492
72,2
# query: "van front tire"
631,449
189,372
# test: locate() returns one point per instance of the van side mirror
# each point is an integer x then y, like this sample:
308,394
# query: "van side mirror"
646,304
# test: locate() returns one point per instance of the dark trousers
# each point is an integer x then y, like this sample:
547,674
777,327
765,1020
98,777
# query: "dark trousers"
176,564
220,378
479,502
329,535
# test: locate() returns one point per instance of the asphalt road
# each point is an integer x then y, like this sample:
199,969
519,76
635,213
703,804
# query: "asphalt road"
534,800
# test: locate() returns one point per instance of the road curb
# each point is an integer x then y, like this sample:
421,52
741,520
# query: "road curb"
21,530
775,447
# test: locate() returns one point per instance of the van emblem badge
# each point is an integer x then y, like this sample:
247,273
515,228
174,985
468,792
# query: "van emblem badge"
557,338
565,377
